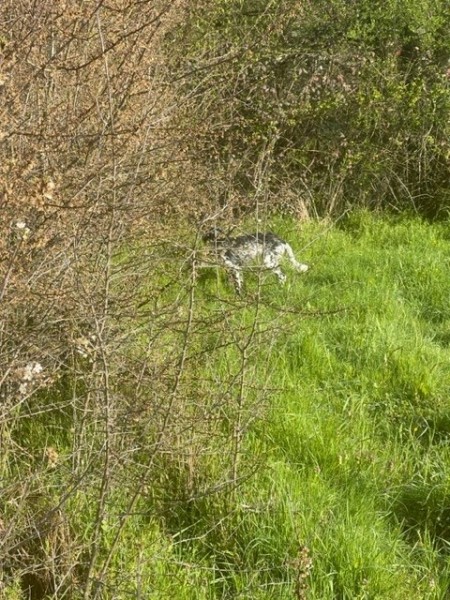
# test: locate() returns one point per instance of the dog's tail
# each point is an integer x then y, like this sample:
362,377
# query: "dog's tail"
301,267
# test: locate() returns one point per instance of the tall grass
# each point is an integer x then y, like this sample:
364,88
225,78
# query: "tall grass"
314,462
355,437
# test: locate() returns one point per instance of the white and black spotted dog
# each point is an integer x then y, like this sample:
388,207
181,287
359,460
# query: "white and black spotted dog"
236,253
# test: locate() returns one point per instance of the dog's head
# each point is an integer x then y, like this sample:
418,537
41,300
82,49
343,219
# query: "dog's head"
214,235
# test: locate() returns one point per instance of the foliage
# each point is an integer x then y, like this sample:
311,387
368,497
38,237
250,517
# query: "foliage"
347,103
160,437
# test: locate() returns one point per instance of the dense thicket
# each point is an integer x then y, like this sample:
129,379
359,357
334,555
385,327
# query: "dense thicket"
86,170
342,103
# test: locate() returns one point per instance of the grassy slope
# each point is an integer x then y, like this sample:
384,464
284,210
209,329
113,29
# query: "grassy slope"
345,421
355,446
359,436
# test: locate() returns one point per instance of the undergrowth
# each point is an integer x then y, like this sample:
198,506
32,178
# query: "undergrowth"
314,462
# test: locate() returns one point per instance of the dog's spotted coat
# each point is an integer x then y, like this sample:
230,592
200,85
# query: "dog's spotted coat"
239,252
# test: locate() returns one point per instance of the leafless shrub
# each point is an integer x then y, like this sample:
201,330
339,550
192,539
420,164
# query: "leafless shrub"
93,173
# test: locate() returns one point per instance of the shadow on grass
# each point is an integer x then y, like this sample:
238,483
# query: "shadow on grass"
424,511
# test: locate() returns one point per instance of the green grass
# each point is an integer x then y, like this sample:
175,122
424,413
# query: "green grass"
355,439
328,399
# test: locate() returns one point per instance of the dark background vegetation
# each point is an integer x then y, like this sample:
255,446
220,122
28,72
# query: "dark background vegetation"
121,122
348,101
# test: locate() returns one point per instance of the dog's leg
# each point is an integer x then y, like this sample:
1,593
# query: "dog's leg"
236,276
271,262
279,273
235,272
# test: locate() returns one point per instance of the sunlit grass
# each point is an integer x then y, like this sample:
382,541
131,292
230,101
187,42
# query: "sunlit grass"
356,435
328,399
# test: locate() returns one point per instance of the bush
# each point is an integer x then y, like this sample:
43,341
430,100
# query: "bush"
345,104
